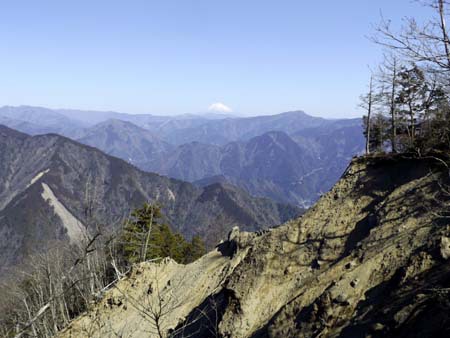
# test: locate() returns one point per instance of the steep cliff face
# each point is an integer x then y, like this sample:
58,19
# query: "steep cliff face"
369,259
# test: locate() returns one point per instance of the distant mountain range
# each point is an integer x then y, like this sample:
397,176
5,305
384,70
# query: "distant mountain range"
227,130
290,157
127,141
53,188
271,165
70,122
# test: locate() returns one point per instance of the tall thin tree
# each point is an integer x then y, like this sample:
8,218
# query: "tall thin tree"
367,102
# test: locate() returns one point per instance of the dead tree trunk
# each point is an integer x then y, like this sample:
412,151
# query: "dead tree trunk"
444,31
369,113
392,107
147,239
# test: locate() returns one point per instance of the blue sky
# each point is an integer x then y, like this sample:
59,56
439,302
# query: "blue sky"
175,57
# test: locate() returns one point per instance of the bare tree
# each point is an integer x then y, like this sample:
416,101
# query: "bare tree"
443,29
158,302
426,43
54,287
388,77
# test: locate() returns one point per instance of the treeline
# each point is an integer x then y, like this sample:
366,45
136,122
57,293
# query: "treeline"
407,102
55,286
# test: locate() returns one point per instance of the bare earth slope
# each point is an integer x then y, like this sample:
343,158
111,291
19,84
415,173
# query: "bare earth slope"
369,259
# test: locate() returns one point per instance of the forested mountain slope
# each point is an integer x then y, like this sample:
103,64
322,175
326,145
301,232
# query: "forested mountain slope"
289,169
127,141
52,188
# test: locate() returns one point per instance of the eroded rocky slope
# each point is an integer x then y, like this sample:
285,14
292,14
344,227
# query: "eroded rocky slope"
369,259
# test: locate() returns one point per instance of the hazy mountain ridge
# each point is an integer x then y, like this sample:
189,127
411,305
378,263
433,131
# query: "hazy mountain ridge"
127,141
267,165
299,171
220,132
271,165
39,120
238,150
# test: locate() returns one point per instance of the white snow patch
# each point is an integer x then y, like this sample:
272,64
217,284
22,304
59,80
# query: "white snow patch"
171,194
219,107
75,229
37,177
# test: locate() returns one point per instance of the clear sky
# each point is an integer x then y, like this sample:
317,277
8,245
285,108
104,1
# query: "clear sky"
175,57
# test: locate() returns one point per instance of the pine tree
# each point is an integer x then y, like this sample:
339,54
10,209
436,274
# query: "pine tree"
194,250
138,232
411,98
380,133
145,237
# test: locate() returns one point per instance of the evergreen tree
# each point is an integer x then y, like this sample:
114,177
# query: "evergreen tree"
137,235
411,98
146,236
195,249
380,133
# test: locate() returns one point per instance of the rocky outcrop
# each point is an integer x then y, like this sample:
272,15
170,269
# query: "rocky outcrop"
369,259
445,247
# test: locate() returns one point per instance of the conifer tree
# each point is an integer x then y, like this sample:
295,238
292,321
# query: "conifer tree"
146,236
411,98
195,249
138,232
